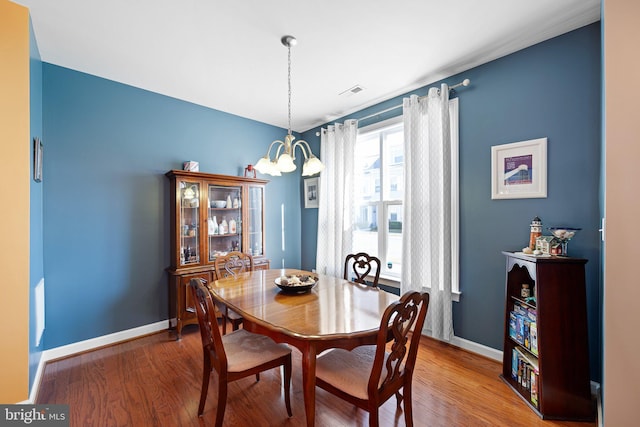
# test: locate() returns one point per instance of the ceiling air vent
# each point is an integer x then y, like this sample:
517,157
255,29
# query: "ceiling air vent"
352,91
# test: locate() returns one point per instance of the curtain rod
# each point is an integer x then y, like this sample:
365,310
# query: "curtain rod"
465,82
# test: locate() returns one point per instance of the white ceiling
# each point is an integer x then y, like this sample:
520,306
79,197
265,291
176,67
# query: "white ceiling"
227,54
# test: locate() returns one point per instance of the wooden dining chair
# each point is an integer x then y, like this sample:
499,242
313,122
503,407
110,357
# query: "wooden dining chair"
368,376
237,355
357,267
227,265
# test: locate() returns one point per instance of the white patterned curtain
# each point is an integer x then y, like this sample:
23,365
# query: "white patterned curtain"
426,224
335,213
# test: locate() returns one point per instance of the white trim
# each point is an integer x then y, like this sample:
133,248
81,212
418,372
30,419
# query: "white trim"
471,346
93,343
597,392
36,382
393,282
381,125
477,348
454,127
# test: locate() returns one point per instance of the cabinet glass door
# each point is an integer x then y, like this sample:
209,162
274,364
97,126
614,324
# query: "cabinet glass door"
256,221
224,220
189,222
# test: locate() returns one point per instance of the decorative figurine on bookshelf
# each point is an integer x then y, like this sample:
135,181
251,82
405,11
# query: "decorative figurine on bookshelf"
544,244
535,231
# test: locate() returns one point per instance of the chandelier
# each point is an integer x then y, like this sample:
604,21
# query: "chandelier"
285,152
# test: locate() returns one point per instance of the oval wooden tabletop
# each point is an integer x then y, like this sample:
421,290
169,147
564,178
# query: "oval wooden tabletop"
332,308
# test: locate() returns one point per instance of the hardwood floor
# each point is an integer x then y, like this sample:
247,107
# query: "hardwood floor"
155,381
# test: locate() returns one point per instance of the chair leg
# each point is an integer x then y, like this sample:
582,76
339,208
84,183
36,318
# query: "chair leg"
222,401
224,322
257,377
287,385
206,375
373,417
408,409
398,399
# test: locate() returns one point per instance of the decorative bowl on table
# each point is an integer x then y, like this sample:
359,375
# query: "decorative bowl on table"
219,204
296,283
564,234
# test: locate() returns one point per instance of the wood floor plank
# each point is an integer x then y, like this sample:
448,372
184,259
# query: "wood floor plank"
155,381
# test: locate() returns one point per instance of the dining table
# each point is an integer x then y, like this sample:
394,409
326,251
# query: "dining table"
334,313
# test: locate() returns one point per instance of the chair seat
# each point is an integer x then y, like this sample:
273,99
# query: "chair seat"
348,371
250,350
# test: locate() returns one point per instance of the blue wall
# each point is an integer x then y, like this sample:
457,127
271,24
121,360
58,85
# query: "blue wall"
550,90
36,263
106,204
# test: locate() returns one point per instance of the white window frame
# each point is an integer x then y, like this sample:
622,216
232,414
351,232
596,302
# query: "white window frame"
383,205
394,281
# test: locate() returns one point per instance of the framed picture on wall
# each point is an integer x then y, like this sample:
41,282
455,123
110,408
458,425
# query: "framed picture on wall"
311,193
37,159
519,170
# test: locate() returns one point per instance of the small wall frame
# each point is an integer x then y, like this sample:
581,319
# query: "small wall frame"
37,159
519,170
311,193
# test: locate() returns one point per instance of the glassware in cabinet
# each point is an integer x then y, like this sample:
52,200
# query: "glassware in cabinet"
225,213
256,234
189,222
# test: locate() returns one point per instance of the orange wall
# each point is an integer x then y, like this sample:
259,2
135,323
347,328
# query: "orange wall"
622,280
14,195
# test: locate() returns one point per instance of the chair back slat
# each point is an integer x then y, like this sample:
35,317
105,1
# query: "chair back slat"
358,267
401,327
211,337
232,264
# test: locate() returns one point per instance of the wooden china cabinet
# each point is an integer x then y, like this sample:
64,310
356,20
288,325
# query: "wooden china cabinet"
210,216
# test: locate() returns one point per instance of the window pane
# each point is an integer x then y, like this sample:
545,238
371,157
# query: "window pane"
393,164
367,168
394,240
365,234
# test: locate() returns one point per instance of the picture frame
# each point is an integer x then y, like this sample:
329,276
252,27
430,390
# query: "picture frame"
311,193
37,159
519,170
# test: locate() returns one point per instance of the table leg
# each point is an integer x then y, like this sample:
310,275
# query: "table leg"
309,383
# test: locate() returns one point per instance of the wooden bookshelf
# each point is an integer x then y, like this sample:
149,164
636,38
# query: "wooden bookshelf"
559,387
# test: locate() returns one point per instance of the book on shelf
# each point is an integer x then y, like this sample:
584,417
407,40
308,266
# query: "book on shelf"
523,328
533,338
524,371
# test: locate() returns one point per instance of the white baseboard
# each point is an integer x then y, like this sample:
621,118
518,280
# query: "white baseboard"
471,346
93,343
90,344
480,349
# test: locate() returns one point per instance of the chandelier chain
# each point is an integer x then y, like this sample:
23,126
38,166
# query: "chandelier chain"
289,84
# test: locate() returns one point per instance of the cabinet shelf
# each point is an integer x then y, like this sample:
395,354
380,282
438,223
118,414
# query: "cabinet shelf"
555,382
523,302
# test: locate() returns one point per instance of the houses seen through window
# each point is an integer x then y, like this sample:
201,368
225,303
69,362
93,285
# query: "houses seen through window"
379,194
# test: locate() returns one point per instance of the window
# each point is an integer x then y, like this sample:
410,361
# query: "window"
379,173
379,169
